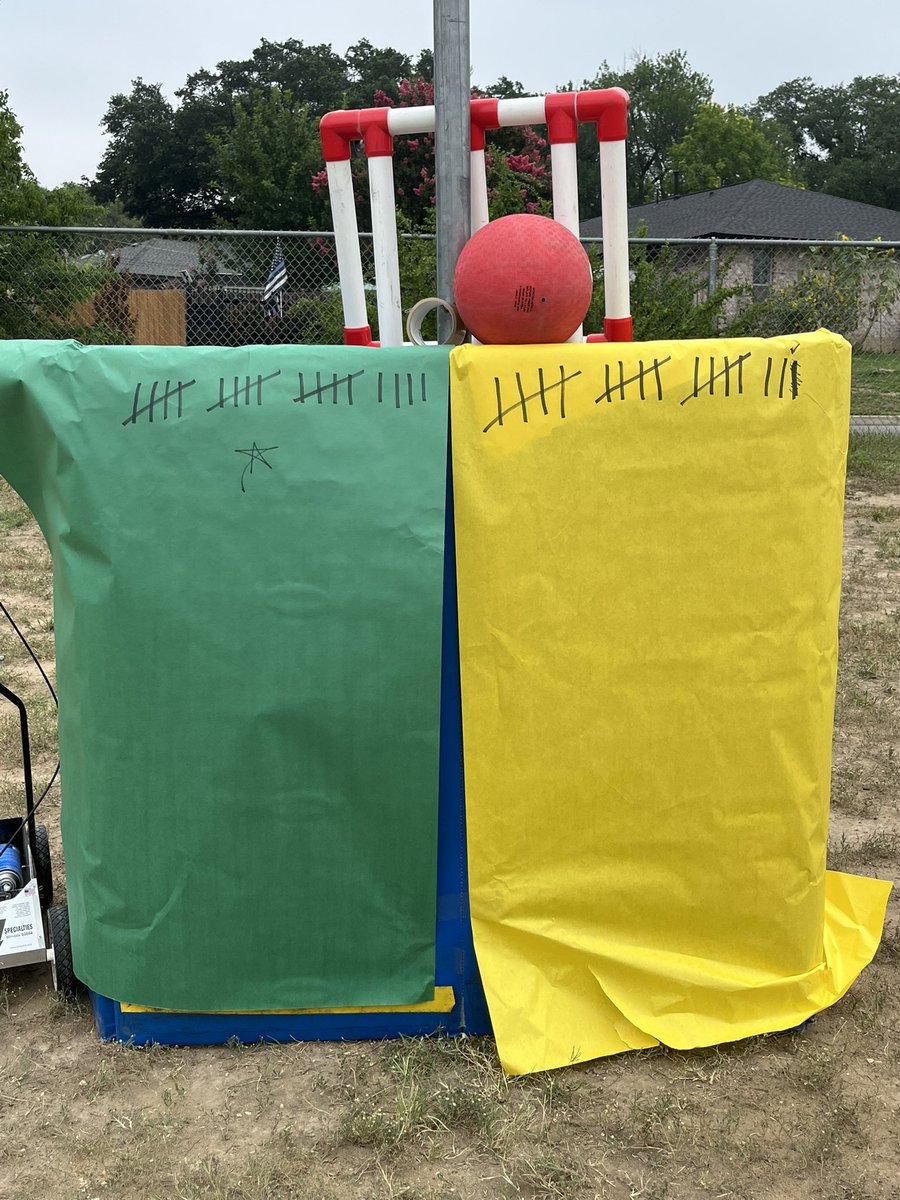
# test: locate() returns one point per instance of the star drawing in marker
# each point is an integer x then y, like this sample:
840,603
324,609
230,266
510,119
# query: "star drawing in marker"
256,454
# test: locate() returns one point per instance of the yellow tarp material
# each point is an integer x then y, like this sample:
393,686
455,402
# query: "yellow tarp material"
649,564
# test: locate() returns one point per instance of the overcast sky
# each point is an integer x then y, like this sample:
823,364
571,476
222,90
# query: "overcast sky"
61,61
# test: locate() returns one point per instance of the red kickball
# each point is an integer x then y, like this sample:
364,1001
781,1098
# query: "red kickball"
522,278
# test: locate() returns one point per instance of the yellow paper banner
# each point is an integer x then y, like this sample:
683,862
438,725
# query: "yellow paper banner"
649,566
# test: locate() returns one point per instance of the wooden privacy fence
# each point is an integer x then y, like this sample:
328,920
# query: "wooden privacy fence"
159,317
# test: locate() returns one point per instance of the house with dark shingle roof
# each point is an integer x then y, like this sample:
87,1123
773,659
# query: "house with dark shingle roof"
767,217
760,209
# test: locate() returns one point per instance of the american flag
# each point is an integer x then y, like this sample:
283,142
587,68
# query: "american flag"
275,284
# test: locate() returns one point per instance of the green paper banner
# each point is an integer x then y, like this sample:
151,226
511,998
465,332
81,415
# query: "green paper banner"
248,551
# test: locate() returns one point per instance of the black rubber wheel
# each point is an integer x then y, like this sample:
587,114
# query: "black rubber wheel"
64,980
43,871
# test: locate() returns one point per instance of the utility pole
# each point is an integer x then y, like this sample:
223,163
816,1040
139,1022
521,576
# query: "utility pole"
451,143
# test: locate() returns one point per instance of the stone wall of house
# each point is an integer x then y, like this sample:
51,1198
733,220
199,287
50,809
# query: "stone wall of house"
762,271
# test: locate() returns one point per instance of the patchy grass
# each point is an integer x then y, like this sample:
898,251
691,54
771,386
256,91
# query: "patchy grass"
882,513
875,388
12,519
873,462
426,1088
887,544
41,728
872,850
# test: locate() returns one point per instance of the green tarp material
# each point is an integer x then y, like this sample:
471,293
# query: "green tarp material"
247,551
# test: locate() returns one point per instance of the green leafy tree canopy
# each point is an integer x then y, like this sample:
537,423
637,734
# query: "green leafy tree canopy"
665,96
846,137
265,161
41,288
725,146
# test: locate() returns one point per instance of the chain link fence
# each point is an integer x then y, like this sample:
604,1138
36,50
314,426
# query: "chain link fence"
207,287
168,287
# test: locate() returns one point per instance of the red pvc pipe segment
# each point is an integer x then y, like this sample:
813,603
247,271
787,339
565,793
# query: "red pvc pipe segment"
377,141
361,336
336,131
609,108
370,125
562,123
618,329
483,116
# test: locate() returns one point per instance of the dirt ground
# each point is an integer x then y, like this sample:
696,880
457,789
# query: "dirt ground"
809,1115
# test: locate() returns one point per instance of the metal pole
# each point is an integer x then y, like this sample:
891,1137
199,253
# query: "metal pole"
451,143
713,268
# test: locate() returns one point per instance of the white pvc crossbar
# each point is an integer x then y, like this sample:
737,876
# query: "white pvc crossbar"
382,125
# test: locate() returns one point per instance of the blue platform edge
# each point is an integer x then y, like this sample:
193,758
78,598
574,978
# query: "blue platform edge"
455,964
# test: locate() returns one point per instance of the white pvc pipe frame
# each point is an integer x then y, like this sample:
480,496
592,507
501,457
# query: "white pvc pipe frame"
377,128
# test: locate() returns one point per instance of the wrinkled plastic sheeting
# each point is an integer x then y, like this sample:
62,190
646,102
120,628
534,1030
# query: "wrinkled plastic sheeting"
649,568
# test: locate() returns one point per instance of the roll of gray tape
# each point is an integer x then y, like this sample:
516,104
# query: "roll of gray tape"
420,311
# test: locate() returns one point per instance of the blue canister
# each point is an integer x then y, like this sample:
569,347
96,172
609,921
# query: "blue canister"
10,872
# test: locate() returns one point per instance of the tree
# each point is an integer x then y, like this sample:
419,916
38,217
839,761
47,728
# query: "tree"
165,163
504,89
724,146
153,170
39,287
517,161
264,163
847,137
371,71
413,158
519,180
72,204
314,75
665,96
13,171
517,164
788,107
235,145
